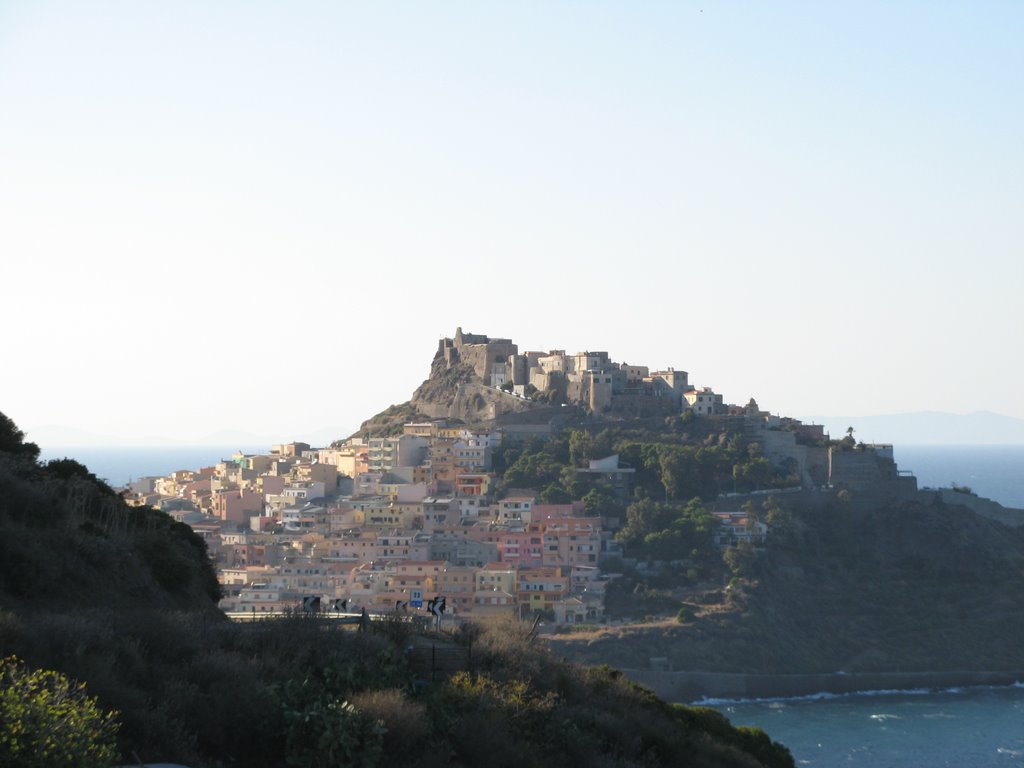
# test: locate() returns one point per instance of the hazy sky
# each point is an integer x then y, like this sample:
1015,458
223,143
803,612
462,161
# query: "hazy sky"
228,216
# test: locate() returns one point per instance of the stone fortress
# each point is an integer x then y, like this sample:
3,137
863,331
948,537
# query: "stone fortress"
590,380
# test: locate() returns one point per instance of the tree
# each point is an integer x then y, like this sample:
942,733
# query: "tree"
532,470
47,721
642,518
12,440
555,494
753,516
599,502
678,472
741,560
778,518
580,444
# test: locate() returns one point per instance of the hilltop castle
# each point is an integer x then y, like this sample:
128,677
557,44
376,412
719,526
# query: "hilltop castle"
588,379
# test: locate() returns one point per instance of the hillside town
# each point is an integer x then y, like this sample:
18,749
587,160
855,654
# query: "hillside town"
388,523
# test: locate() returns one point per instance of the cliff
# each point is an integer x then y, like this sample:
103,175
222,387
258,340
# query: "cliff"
456,390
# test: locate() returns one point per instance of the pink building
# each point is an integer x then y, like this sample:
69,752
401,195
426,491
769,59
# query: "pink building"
236,506
572,541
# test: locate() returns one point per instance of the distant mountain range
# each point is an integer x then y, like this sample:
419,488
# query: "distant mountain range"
928,428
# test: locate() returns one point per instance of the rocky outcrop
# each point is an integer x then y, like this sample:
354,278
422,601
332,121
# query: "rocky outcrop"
452,391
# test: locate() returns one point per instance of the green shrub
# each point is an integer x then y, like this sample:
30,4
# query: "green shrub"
48,721
405,726
323,730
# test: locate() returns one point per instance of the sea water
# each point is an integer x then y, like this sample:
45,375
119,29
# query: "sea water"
117,465
993,471
967,728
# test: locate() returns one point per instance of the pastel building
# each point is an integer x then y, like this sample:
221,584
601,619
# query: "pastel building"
236,506
540,588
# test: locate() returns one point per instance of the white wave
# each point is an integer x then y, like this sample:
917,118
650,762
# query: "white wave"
895,692
713,702
708,701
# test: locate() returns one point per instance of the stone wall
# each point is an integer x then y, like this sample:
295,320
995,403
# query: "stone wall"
482,357
782,450
860,468
641,406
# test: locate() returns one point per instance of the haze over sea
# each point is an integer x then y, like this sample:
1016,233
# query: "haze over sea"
119,464
993,471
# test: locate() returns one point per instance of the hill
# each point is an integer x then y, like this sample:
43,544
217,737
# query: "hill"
863,574
840,586
121,599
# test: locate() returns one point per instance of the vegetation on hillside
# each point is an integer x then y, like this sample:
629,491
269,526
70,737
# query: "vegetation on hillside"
839,585
687,459
388,423
67,539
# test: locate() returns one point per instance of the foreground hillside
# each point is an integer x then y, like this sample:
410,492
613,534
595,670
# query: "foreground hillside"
122,600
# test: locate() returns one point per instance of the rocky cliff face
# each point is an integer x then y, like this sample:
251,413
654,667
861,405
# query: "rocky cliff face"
450,392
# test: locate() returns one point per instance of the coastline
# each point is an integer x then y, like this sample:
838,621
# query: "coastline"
695,687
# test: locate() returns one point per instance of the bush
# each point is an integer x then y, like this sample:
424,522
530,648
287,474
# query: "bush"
406,728
324,730
47,720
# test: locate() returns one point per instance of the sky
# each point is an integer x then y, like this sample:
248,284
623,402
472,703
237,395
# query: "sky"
260,218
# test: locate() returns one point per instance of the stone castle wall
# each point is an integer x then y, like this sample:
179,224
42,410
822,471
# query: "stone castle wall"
782,449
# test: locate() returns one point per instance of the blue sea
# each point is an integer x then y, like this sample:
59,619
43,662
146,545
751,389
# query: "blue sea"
965,728
993,471
118,465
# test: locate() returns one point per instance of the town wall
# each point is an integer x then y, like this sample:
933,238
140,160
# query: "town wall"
859,468
638,405
782,450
